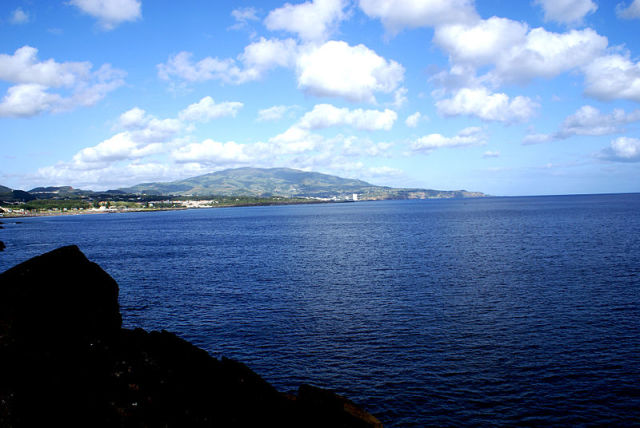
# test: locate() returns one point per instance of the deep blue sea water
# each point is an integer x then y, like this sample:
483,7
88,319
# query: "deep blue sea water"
494,311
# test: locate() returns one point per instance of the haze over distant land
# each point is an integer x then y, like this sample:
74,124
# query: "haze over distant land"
510,98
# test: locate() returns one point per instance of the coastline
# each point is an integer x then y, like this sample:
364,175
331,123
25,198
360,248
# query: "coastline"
59,213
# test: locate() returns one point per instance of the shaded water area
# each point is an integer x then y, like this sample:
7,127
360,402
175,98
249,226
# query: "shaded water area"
444,312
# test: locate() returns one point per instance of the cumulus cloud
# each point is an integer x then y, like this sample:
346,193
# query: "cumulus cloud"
207,109
145,135
119,147
472,136
412,121
622,149
613,77
19,16
131,154
588,121
212,152
481,103
35,79
257,58
110,13
294,140
397,15
114,176
331,69
23,67
327,115
27,100
266,54
566,11
628,12
313,20
356,73
517,53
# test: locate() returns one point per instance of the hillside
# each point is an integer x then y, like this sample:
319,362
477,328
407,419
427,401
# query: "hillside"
287,183
9,195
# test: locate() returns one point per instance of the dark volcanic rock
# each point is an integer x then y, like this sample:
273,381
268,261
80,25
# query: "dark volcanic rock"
66,361
2,246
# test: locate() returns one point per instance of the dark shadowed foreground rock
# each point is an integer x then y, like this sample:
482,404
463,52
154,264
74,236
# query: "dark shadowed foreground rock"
66,361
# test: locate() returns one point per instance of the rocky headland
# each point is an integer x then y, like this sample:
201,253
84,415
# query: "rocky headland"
65,360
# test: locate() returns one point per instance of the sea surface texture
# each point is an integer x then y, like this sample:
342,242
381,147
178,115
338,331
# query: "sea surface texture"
438,312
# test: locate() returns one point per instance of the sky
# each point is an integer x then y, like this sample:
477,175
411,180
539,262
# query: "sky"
499,96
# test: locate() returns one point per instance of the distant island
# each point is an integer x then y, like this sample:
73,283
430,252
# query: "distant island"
231,187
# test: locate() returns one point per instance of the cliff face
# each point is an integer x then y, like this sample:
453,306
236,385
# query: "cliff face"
66,361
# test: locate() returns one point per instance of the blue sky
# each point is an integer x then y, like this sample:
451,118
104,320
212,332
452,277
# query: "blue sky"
503,97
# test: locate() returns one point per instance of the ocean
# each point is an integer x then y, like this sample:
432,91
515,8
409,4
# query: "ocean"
492,311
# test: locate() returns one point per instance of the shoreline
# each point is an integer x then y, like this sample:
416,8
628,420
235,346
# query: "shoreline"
115,211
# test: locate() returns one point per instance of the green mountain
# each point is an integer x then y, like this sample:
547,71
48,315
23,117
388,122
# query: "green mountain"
286,182
9,195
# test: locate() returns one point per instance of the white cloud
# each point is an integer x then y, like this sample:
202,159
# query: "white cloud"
266,54
27,100
119,147
143,128
482,42
312,20
400,97
481,103
115,176
628,12
354,146
567,11
245,14
355,73
130,152
327,115
588,121
35,79
257,58
412,121
623,149
133,118
472,136
491,154
181,65
273,113
294,140
613,77
399,14
23,67
212,152
19,16
206,109
517,53
537,139
332,69
110,13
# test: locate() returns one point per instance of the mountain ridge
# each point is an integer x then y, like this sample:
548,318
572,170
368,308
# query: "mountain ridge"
286,182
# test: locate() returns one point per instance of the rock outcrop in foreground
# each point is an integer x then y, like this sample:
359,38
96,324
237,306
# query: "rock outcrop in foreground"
65,360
